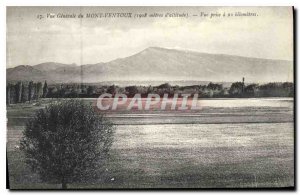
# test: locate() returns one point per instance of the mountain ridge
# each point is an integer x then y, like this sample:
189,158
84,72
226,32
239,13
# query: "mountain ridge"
156,63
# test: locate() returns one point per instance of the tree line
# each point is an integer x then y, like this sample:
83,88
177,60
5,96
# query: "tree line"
22,92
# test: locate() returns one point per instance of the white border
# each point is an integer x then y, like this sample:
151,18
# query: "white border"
5,3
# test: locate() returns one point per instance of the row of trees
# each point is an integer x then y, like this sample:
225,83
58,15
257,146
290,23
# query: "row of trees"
22,92
285,89
86,91
237,89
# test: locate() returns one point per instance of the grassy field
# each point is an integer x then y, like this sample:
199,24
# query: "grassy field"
233,146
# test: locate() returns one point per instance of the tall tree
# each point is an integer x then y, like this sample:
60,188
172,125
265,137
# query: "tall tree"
39,87
8,100
13,94
24,97
67,142
30,91
45,89
18,89
35,91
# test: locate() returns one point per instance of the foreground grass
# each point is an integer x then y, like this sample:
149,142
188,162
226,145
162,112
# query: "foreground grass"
180,155
161,168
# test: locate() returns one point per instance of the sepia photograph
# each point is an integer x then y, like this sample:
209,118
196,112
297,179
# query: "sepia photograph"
153,97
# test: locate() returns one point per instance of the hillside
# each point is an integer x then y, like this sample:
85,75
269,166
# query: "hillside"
160,64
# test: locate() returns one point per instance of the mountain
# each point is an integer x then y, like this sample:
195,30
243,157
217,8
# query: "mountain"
25,72
49,66
160,64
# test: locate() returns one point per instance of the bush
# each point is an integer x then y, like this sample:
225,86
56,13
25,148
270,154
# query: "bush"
67,142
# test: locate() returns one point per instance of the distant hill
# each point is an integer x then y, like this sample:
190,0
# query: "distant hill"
160,64
50,66
25,72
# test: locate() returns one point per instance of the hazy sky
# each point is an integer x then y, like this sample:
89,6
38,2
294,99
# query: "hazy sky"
86,41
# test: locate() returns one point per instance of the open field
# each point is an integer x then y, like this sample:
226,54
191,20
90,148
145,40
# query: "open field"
241,143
